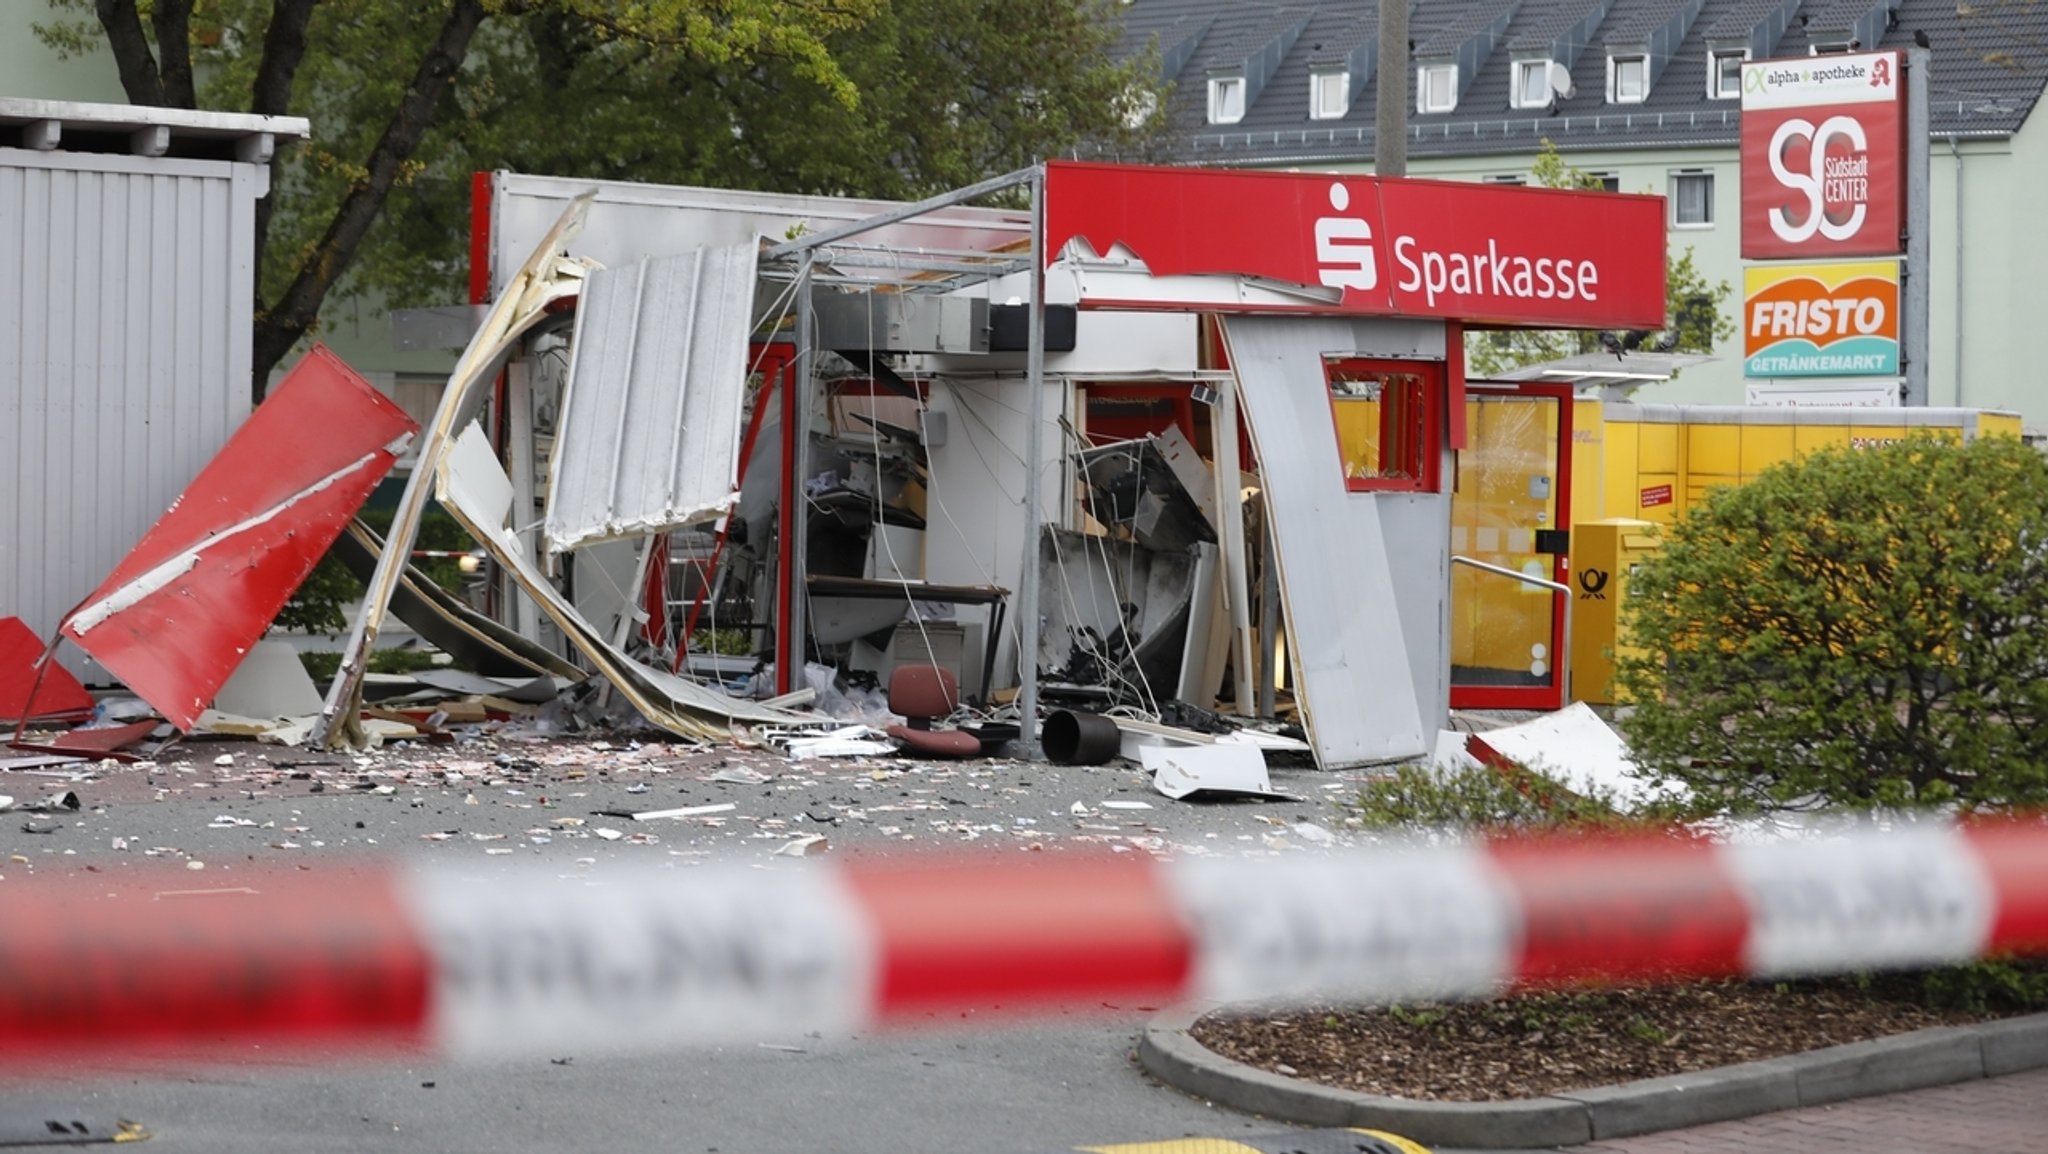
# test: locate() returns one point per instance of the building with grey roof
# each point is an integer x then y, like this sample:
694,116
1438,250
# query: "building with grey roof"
1646,94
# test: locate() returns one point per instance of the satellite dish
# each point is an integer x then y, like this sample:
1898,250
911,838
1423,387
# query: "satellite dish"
1561,81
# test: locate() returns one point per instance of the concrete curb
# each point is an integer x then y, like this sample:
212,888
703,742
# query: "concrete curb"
1912,1061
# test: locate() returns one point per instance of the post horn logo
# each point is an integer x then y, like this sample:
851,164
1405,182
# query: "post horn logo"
1593,581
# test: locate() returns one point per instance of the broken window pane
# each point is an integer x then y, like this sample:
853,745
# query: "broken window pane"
1386,423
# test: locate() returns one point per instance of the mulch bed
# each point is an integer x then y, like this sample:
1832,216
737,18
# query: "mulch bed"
1533,1044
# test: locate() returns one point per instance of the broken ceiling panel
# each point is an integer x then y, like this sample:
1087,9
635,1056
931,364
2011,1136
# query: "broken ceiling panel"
440,617
657,386
522,305
177,615
473,486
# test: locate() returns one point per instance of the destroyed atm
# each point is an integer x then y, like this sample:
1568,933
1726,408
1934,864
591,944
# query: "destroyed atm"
1168,437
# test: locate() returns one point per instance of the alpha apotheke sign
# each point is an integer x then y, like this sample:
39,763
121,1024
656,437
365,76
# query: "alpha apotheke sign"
1823,156
1389,247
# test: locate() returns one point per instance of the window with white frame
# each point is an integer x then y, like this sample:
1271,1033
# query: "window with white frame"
1437,87
1532,84
1226,99
1692,198
1329,95
1628,79
1504,178
1724,73
1607,181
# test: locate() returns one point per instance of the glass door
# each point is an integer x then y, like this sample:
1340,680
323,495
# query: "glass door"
1510,512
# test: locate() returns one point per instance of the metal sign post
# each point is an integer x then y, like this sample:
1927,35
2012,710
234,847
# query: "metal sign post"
1913,319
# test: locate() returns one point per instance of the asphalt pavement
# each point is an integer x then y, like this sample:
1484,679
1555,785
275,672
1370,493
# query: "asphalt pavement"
212,809
205,818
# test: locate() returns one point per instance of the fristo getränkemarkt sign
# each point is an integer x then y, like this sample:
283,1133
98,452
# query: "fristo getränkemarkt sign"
1821,320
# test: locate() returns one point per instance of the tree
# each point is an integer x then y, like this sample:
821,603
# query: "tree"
860,97
1860,628
1694,320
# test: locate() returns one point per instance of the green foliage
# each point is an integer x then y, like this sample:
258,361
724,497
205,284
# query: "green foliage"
949,92
321,604
1694,316
1421,1018
1644,1030
1415,796
878,98
724,642
1861,628
321,666
1982,987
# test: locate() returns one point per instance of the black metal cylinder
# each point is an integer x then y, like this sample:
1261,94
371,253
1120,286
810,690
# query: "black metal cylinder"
1071,738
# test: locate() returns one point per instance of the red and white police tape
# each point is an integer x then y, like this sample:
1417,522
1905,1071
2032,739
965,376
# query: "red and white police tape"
525,960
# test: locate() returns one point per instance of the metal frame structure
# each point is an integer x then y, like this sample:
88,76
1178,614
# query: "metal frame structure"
800,401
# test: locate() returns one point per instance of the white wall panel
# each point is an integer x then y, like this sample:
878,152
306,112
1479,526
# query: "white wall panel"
125,300
1357,569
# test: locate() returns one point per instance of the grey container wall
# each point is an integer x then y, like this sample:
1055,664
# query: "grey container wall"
126,292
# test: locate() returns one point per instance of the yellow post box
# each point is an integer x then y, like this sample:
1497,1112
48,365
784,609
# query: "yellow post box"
1604,554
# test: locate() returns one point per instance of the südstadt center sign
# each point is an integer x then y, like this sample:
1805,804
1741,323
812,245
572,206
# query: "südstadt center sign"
1823,156
1470,252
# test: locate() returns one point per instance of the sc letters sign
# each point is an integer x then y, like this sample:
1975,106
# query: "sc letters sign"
1823,156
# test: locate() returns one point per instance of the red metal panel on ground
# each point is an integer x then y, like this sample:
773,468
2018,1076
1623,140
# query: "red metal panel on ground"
94,743
59,698
181,610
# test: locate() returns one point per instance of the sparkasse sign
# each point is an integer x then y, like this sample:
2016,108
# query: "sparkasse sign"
1416,248
1821,320
1823,156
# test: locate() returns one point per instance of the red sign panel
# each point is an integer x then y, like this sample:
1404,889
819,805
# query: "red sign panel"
1656,495
176,616
1823,156
1470,252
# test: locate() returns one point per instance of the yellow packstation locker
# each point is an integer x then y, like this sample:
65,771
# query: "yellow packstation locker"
1604,554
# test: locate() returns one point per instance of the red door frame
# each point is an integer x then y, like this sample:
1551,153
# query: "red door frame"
1552,696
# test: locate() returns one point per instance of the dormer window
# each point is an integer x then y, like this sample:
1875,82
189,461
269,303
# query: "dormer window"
1532,84
1437,88
1628,79
1226,99
1329,95
1836,48
1724,73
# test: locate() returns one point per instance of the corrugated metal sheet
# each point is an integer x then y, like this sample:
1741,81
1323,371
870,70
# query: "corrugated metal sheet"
650,427
125,306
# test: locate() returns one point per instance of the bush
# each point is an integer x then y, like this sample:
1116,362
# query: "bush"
1416,795
322,666
1997,984
1866,627
320,604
